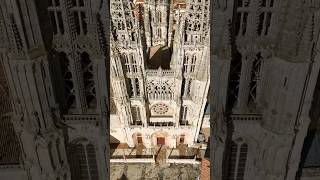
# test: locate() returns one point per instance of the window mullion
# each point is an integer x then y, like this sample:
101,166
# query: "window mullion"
237,162
87,161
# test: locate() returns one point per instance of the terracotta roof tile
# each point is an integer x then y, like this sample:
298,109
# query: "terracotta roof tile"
205,169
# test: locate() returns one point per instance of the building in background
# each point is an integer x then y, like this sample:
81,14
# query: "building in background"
265,98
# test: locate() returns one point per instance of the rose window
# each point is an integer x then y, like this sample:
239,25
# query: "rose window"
160,108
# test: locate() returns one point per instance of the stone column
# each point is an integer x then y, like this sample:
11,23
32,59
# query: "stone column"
264,82
244,85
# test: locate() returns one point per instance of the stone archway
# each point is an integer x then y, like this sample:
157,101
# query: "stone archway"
137,139
160,139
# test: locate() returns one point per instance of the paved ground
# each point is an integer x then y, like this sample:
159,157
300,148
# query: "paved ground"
141,171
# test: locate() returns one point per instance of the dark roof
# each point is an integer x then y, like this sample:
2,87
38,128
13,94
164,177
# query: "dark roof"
160,56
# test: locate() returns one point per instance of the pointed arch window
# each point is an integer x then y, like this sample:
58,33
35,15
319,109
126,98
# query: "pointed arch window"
79,15
88,80
126,62
186,63
55,12
69,91
234,80
265,17
255,79
83,161
159,17
184,113
193,63
134,63
159,32
237,160
242,16
136,115
137,86
185,110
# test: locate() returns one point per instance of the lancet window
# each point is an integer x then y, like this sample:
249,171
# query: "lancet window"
136,114
130,63
234,79
184,113
134,87
83,161
79,15
69,91
242,16
88,80
55,12
265,17
193,63
189,63
255,79
237,160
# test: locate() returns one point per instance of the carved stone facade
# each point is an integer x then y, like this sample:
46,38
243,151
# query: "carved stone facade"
265,67
54,60
154,101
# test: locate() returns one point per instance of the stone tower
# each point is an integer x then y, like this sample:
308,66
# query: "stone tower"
265,65
159,91
55,64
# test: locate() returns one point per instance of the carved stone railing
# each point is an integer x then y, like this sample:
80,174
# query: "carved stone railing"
184,123
160,119
245,117
161,124
81,117
11,166
160,72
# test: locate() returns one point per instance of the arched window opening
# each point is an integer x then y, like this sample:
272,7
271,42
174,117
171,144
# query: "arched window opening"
137,86
134,63
79,16
184,115
55,13
159,33
136,115
69,91
242,16
193,63
265,17
83,161
242,161
181,139
139,138
234,80
92,162
187,88
130,87
237,160
126,62
159,16
185,64
254,83
88,80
